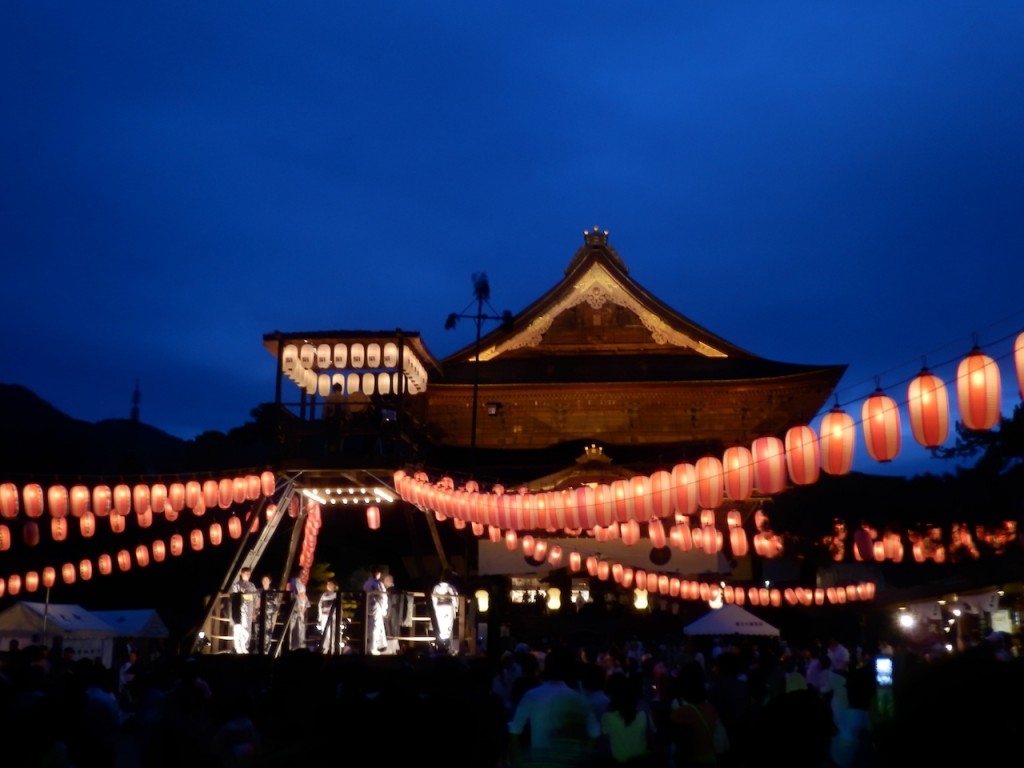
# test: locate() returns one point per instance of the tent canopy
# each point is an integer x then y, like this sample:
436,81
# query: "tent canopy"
25,619
730,620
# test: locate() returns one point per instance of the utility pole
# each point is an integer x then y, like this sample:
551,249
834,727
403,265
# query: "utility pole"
481,296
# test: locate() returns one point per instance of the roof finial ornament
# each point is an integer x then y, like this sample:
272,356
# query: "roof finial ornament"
597,237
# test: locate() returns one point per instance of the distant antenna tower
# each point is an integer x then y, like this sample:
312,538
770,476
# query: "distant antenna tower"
136,397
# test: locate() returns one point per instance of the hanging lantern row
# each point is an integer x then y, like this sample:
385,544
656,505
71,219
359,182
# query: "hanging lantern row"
767,467
144,499
311,531
141,556
628,577
306,365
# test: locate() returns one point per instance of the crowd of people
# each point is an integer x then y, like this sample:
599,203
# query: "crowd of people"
737,703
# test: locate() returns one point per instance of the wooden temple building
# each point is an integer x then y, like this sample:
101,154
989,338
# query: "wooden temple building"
597,379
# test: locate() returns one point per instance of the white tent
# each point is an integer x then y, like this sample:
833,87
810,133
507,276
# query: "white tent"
31,623
728,620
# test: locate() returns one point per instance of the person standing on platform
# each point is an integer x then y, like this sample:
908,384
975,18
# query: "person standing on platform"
376,611
243,609
269,605
326,620
446,605
300,604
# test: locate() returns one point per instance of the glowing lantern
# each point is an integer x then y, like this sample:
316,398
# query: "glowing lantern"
493,534
638,503
769,465
710,482
68,573
684,486
630,531
1018,361
592,565
621,493
575,561
105,564
928,406
14,584
540,550
117,522
253,488
142,555
5,538
79,498
555,556
9,500
31,581
176,496
122,499
737,466
193,492
102,500
87,525
880,419
511,540
32,498
159,551
803,459
144,517
212,492
603,570
85,569
373,517
196,539
124,560
604,505
158,498
57,500
216,534
712,539
978,390
235,526
656,533
30,533
236,487
738,542
267,483
59,528
836,439
177,544
140,497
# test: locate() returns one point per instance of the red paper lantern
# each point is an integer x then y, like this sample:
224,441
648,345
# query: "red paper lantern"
142,555
710,482
177,544
928,407
140,498
5,538
630,532
68,573
212,492
737,467
32,499
9,503
193,493
87,524
124,560
978,390
575,561
159,550
603,570
104,564
373,517
57,500
216,534
158,498
59,528
656,533
684,485
196,539
31,581
144,517
102,500
85,569
769,465
555,556
122,499
738,542
80,497
511,540
235,526
836,439
880,419
176,496
14,584
117,522
803,459
268,483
